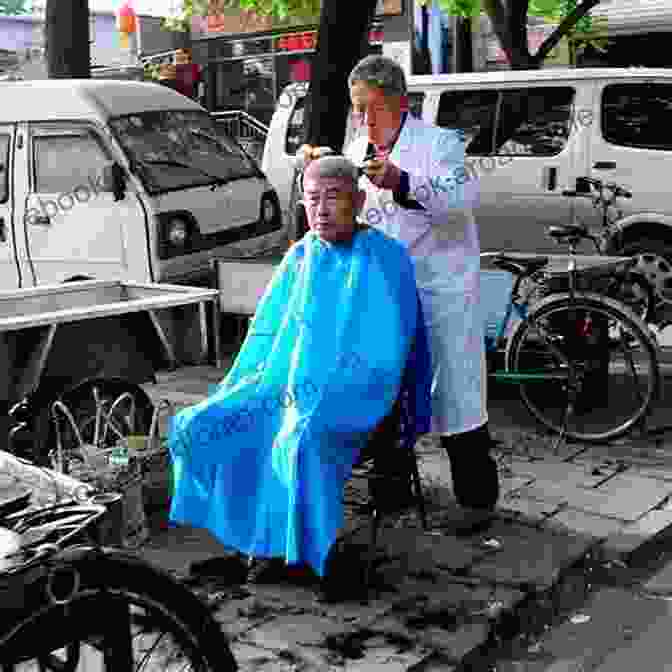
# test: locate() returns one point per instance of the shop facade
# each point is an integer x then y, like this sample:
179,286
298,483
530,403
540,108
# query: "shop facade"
247,60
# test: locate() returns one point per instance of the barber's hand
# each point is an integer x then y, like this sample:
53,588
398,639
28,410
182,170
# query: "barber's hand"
383,173
374,168
306,153
309,153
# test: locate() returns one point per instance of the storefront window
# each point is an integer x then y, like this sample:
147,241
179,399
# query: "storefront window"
259,88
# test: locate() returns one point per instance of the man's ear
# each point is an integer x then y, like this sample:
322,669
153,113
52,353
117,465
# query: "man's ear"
358,199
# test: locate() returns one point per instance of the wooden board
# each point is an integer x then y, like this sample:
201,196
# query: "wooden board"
242,284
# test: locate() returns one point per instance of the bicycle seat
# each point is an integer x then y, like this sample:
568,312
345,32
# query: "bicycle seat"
519,265
567,231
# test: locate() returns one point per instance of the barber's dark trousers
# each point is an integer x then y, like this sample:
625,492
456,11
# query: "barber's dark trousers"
474,470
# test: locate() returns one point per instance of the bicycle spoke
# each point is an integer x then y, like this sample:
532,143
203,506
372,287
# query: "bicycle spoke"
603,406
627,353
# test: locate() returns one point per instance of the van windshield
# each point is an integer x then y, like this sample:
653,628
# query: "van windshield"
175,149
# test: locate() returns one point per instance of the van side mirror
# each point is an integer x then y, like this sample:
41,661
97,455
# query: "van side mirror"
114,180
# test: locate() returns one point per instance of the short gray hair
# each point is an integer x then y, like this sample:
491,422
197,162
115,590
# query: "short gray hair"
380,71
333,166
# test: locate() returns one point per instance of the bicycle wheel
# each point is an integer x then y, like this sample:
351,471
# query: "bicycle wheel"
588,367
124,615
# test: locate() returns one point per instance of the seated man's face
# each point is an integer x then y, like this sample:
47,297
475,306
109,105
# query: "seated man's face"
331,207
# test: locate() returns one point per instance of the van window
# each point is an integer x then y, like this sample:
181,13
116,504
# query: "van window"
173,150
534,121
472,113
65,158
530,121
638,115
296,127
4,164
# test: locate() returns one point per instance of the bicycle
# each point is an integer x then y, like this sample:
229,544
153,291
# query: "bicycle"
560,351
635,288
70,604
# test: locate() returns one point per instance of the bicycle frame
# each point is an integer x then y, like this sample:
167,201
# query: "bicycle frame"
520,306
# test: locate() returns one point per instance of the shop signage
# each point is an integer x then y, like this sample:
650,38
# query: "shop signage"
307,41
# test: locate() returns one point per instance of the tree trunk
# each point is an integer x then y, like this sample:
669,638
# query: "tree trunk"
67,39
335,57
465,45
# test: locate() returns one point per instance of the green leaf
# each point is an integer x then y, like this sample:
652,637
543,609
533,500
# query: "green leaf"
464,8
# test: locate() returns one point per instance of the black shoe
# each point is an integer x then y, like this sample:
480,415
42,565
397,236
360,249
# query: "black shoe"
343,580
266,570
226,569
470,521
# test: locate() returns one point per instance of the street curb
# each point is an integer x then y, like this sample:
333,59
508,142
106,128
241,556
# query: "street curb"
536,612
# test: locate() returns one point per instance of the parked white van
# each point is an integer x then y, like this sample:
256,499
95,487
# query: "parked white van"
123,180
529,135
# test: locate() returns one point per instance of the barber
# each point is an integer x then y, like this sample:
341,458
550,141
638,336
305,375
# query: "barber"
418,192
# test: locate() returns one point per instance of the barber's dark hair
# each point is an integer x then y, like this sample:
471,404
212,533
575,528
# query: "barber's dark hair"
380,71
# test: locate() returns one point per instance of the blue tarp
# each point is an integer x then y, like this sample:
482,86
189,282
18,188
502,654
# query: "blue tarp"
262,462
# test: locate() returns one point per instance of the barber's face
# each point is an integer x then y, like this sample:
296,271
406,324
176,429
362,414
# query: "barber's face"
380,113
331,206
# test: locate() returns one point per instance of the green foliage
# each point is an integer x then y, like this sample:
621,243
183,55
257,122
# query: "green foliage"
15,7
151,71
588,30
281,10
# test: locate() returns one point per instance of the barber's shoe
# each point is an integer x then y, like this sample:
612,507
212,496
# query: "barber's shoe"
469,521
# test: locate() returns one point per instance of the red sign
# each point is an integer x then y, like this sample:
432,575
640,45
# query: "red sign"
308,41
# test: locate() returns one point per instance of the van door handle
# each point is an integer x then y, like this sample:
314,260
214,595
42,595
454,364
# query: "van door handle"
550,178
3,231
604,165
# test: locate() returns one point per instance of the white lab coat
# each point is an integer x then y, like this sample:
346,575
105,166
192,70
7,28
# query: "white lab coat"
443,242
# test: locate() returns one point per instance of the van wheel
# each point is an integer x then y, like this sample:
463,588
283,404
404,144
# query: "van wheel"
654,262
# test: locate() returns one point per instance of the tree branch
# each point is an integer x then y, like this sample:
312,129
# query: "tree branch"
563,29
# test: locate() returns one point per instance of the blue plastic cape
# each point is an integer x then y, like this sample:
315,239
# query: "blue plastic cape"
337,337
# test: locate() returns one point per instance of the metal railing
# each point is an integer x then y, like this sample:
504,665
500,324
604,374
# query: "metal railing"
247,130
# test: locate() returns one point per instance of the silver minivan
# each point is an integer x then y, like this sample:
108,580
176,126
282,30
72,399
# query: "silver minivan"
529,135
123,180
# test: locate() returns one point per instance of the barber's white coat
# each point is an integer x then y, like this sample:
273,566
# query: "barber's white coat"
443,241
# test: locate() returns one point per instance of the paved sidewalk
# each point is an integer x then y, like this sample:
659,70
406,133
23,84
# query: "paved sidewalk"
441,596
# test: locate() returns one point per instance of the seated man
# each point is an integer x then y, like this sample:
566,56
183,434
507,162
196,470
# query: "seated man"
337,338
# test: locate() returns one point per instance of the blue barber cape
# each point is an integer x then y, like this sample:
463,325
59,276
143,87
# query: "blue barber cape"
337,337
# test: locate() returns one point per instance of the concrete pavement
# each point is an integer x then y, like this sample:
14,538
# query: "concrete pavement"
441,598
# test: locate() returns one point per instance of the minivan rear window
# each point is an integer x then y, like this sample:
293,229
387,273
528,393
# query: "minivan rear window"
472,113
533,121
638,115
